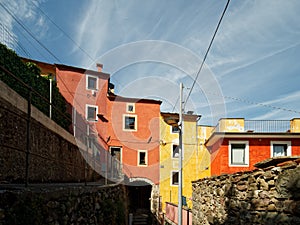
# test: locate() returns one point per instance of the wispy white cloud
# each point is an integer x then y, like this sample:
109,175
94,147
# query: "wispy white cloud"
25,12
253,56
253,31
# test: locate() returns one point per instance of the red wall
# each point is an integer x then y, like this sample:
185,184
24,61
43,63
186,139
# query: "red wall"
259,149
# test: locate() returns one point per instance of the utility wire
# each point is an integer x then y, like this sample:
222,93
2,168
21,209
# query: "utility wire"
12,38
30,42
249,102
205,56
68,36
28,31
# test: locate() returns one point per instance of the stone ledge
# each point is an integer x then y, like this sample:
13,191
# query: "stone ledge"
275,161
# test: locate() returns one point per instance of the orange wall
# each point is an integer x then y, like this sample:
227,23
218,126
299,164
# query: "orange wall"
132,141
72,85
259,149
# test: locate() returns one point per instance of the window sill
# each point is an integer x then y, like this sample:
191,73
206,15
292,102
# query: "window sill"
92,120
238,165
128,130
142,165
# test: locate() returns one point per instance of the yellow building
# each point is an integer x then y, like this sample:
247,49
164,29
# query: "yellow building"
196,158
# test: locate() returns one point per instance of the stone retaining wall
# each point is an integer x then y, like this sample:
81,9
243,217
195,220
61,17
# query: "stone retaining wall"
64,205
262,196
54,153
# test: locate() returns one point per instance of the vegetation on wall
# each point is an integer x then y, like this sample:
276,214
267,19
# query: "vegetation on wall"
29,73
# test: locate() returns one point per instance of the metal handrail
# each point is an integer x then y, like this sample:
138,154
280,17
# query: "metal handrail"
267,125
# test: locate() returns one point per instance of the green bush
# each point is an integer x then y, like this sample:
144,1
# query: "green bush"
29,73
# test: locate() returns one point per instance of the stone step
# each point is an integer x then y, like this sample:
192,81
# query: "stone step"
140,219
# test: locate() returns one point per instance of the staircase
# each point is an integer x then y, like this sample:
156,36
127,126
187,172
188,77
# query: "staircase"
141,217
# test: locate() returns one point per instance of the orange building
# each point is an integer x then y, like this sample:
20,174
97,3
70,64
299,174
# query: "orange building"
86,91
123,133
237,144
134,136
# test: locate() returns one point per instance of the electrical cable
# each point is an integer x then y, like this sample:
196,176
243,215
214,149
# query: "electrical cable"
205,56
28,31
14,39
249,102
30,42
68,36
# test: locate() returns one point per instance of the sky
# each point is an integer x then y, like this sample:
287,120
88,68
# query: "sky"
150,47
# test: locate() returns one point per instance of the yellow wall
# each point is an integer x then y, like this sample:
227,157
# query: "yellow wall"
231,125
168,193
195,160
295,125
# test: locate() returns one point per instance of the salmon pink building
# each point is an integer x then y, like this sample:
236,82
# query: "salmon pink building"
122,133
237,144
134,136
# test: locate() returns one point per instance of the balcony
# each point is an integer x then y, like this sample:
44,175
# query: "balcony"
267,126
257,126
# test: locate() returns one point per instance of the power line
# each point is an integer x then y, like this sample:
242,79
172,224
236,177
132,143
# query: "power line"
28,31
68,36
30,42
205,56
249,102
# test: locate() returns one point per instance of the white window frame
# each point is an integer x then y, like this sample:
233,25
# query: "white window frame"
135,124
289,147
146,157
172,147
86,112
246,153
87,82
133,107
172,132
171,177
121,151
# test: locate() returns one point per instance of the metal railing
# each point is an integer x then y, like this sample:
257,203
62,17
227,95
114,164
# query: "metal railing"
267,126
262,126
113,166
172,214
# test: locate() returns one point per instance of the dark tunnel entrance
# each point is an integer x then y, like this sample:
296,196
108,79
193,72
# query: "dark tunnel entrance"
139,193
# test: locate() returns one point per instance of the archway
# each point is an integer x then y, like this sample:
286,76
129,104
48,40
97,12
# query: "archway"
139,193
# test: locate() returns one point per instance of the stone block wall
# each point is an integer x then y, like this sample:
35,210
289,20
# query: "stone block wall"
263,196
54,154
64,205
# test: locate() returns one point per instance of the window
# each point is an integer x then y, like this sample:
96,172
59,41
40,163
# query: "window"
130,108
174,177
130,123
238,153
91,82
91,112
175,129
116,152
280,148
142,158
175,151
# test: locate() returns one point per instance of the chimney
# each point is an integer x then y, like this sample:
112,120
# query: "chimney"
99,66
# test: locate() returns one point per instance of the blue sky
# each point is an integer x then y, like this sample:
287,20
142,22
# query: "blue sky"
149,47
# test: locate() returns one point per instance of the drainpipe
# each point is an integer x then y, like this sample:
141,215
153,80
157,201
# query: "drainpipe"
50,99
